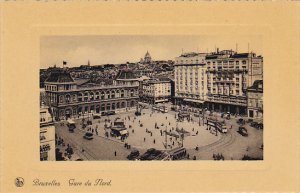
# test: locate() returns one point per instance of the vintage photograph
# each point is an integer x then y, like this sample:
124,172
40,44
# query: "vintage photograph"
151,98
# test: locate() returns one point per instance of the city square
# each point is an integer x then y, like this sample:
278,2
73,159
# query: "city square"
194,106
231,145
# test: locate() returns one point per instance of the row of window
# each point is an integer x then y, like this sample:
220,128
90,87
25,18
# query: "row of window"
90,96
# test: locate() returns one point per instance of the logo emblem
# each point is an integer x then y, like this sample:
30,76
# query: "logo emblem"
19,182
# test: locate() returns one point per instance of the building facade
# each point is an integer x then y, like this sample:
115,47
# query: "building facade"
156,91
70,98
255,100
218,80
229,75
47,135
190,79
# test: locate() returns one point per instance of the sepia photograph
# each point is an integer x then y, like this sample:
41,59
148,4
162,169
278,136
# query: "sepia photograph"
151,98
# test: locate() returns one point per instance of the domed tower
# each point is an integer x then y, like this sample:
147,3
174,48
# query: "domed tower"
147,58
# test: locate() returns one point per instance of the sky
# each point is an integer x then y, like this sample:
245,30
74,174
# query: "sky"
78,50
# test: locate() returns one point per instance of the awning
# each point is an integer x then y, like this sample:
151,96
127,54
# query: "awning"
123,132
192,100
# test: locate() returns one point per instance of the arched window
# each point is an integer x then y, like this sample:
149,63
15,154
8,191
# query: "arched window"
122,93
107,94
118,94
103,107
113,94
118,105
86,96
91,96
132,93
74,98
123,105
80,97
68,98
113,106
97,95
102,95
61,99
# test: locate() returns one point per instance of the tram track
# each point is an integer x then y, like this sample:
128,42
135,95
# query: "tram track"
78,147
225,141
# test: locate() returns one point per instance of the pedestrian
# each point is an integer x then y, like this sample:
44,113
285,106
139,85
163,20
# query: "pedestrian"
151,133
115,153
154,141
144,139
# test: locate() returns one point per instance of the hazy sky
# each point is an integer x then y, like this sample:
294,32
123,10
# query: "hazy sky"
77,50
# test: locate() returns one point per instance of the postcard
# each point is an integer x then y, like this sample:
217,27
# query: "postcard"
149,96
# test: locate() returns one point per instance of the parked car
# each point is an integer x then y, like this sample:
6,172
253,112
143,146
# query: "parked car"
88,136
108,113
134,154
253,124
241,121
96,116
243,131
260,126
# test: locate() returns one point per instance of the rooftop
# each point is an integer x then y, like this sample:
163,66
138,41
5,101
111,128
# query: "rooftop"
59,76
125,74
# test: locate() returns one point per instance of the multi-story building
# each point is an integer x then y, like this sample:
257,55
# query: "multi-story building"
218,80
47,135
255,100
229,74
71,98
157,90
190,79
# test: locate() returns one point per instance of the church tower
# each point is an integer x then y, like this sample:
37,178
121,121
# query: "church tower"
147,58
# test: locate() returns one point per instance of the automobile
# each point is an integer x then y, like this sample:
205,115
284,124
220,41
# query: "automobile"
108,113
243,131
260,126
150,154
96,116
241,121
134,154
253,124
137,113
88,136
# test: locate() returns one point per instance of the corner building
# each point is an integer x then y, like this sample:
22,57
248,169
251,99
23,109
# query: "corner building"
156,91
217,81
190,79
71,98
